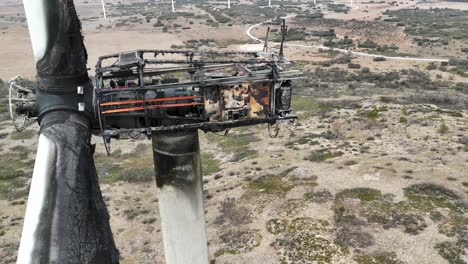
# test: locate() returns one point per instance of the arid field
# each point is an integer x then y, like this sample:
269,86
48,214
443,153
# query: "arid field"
375,170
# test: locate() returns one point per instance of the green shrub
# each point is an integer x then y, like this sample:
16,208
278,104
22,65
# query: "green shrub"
373,114
131,175
443,128
238,145
210,165
322,155
363,194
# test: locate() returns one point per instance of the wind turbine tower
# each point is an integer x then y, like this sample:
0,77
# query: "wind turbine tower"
173,8
269,3
229,3
104,9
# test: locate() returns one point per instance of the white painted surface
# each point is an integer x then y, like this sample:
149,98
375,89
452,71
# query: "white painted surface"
173,8
37,199
37,23
183,222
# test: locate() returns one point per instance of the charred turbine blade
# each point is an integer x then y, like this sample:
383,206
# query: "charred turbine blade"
66,218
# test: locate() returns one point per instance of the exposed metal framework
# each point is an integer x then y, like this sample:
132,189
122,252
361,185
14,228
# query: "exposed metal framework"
145,91
21,104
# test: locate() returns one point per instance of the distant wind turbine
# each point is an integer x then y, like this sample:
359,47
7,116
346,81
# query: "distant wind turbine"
173,8
269,3
229,3
104,8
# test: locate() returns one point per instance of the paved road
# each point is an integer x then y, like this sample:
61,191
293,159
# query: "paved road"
248,32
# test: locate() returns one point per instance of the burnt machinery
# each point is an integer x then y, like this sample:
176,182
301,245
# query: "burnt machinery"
143,91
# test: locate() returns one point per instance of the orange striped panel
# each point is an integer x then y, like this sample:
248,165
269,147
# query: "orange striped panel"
151,100
139,108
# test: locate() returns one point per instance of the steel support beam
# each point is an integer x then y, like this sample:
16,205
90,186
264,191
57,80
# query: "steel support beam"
180,194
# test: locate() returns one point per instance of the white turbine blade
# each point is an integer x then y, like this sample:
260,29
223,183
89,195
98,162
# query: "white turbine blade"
37,24
37,199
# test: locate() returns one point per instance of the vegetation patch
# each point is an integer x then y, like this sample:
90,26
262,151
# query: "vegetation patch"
22,151
378,258
233,214
305,241
456,224
428,196
247,14
374,208
131,175
321,196
363,194
267,185
223,251
133,167
237,145
427,24
26,134
210,164
443,129
305,106
348,235
322,155
308,139
15,169
453,251
133,213
12,184
276,226
234,241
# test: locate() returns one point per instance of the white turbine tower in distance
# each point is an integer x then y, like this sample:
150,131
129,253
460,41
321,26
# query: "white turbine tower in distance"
269,3
229,3
173,8
104,9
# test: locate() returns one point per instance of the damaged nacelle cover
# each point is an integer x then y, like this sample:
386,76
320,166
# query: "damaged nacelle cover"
174,90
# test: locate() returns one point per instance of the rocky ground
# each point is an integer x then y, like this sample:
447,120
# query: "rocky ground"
357,179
